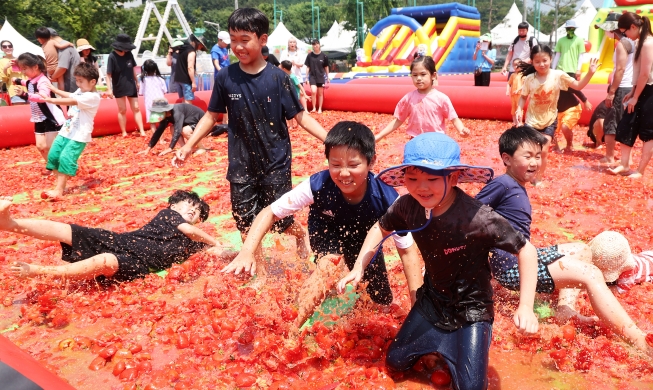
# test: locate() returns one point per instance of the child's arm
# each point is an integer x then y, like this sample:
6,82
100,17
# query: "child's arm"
311,126
519,112
524,316
57,91
191,70
509,86
594,64
196,234
109,86
374,236
462,130
63,44
389,128
61,101
412,270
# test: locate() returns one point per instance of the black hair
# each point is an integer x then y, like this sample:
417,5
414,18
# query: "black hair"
515,137
249,20
265,51
522,25
149,68
192,198
87,71
287,65
525,68
4,40
315,42
628,19
43,33
426,61
353,135
30,60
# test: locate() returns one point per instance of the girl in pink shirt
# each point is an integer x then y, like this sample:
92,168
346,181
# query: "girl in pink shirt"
426,108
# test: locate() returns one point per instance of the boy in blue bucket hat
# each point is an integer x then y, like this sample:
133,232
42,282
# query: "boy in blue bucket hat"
453,311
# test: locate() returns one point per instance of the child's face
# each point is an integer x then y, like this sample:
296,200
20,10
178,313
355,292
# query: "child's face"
84,85
30,71
189,212
427,189
247,46
524,163
422,78
348,169
542,62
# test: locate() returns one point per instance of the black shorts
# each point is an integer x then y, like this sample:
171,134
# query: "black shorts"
614,114
313,81
638,123
550,130
88,242
248,199
47,126
545,284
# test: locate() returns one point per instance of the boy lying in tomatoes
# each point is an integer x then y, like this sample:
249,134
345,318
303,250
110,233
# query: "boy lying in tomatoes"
168,238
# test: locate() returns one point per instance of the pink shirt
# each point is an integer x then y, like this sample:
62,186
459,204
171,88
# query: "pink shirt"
643,271
425,112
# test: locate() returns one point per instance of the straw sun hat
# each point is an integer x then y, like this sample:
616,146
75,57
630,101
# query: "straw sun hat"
611,253
82,44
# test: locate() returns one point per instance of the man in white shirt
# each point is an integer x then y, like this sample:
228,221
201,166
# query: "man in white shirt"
520,48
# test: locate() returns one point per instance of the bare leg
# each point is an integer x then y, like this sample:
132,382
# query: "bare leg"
571,273
301,238
545,153
122,115
186,133
133,103
314,97
624,167
317,286
609,149
569,137
302,100
567,298
320,99
62,179
44,142
103,264
41,229
647,151
598,132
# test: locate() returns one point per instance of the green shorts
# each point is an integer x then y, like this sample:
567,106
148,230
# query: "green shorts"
64,154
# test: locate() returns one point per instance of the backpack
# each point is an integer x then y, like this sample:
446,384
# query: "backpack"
530,41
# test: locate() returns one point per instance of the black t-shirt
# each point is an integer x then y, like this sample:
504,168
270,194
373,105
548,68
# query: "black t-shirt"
316,64
569,99
258,106
273,60
183,114
121,69
455,248
600,112
181,71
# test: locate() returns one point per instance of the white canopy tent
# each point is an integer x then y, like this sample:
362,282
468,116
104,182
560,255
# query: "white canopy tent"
337,39
505,32
278,40
584,18
21,44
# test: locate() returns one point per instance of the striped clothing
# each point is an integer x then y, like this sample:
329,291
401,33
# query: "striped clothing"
37,114
643,272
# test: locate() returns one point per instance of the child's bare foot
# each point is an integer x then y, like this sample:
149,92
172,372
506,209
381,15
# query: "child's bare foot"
635,175
620,170
124,133
607,161
143,133
303,251
567,150
21,270
199,151
564,313
52,194
319,111
5,217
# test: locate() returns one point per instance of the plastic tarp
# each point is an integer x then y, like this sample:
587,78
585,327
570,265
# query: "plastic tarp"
338,39
505,32
584,18
21,44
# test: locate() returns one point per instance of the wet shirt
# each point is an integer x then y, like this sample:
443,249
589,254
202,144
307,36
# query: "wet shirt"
183,114
510,200
455,248
543,106
425,112
643,272
121,69
258,106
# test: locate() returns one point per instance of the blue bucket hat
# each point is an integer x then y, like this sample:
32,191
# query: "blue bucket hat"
436,153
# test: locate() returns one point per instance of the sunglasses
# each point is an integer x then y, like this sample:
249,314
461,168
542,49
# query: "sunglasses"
622,31
7,46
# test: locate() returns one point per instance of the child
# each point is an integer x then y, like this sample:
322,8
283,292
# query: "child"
543,85
286,66
344,202
425,108
121,81
76,132
47,117
317,71
259,99
564,266
168,238
454,311
153,86
513,89
184,117
569,113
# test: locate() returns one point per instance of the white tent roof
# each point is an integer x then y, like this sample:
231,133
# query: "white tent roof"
21,44
278,40
505,32
338,39
584,18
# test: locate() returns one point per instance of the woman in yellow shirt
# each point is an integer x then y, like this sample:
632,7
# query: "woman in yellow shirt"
8,70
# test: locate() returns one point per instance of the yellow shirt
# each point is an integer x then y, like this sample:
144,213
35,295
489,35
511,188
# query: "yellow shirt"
6,77
543,106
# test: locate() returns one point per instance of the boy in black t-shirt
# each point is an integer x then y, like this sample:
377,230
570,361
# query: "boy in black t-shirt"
168,238
258,98
317,69
454,311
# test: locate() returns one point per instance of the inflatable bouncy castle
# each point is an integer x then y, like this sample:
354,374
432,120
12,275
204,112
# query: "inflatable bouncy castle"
448,32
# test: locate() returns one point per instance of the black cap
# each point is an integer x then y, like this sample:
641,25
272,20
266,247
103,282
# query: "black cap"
522,25
265,51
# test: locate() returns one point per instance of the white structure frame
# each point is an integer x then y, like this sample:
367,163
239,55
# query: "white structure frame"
150,7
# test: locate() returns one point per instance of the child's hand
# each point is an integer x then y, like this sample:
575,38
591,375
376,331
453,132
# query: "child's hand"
525,320
519,113
464,132
165,151
244,262
355,276
594,65
146,151
517,92
588,105
18,89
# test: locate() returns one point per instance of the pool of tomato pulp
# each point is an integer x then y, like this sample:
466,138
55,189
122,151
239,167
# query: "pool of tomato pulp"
198,328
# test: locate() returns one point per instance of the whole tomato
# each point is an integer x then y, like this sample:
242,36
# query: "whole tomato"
568,333
440,378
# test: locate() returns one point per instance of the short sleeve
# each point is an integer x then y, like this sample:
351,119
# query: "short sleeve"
217,102
525,86
171,217
306,61
402,111
448,106
64,58
403,242
492,54
87,100
289,99
393,219
492,194
564,81
111,64
326,61
215,55
293,200
504,235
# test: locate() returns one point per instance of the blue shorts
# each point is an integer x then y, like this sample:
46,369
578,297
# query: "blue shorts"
188,91
545,256
466,350
550,130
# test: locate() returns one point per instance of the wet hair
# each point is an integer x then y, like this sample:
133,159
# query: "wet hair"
43,33
29,60
628,19
4,40
426,61
87,71
525,68
249,20
353,135
522,25
515,137
192,198
287,65
149,68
